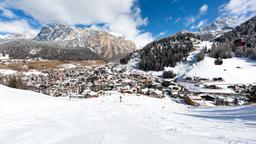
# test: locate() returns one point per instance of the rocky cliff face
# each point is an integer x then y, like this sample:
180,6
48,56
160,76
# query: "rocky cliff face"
60,42
101,42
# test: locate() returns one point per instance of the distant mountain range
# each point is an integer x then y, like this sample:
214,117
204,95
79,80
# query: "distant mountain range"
220,24
63,42
62,38
217,28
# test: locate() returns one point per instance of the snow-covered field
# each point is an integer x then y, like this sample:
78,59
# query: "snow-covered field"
31,118
234,70
7,72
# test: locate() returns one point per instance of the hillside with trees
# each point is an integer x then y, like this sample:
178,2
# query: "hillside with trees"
165,52
240,42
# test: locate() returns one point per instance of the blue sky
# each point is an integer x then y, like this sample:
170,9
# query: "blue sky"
139,20
169,16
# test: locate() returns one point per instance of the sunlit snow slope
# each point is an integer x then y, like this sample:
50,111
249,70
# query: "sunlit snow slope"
31,118
234,70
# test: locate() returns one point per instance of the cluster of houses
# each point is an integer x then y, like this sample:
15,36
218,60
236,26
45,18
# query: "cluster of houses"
94,81
216,92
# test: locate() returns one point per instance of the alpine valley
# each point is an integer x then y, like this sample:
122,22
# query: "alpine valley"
82,85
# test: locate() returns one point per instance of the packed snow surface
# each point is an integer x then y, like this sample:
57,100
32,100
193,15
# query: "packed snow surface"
30,118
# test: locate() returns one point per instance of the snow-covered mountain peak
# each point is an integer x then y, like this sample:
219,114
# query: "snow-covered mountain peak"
54,32
14,36
64,32
104,43
218,28
184,32
220,24
227,22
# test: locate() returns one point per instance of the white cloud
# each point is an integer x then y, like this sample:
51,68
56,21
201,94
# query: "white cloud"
240,6
177,20
121,16
193,27
239,9
18,26
194,18
190,20
7,13
203,9
200,24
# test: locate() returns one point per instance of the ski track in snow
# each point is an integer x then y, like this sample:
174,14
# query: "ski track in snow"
31,118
